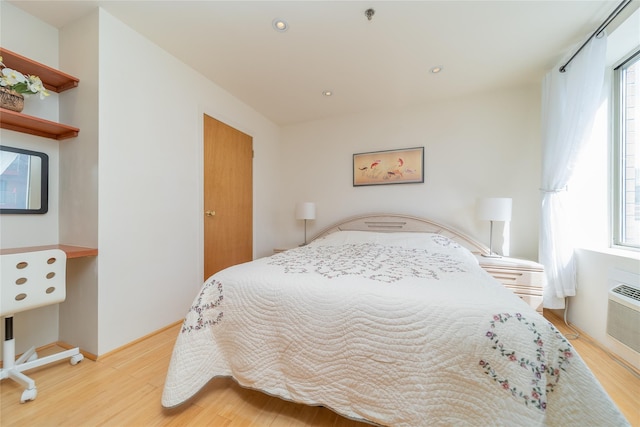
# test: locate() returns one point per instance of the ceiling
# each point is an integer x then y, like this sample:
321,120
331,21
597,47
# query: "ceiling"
378,64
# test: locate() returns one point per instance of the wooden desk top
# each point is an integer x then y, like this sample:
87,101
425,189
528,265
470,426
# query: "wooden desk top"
71,251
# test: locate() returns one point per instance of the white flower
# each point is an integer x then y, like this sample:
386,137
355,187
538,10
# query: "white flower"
12,77
17,81
35,85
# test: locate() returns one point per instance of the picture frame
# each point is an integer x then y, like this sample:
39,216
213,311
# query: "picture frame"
401,166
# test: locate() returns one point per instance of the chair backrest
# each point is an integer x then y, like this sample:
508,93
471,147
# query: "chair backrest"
32,279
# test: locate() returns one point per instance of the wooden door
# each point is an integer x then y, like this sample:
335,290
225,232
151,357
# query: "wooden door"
228,196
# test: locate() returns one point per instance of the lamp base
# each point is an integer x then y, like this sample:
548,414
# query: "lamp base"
491,254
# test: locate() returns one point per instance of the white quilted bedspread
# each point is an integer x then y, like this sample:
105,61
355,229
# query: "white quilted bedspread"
399,329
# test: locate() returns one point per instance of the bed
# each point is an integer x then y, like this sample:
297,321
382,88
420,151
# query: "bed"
390,320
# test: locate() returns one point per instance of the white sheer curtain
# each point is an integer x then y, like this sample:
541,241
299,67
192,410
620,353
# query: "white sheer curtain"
569,103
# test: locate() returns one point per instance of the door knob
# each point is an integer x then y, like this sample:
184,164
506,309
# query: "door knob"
210,213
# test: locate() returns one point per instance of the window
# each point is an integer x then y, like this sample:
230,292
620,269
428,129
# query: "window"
626,211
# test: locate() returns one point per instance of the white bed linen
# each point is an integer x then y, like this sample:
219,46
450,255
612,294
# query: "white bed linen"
401,329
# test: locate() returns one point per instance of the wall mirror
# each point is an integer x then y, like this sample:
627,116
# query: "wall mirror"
24,181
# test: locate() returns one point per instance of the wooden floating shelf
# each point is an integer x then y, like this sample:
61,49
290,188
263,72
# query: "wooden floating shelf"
36,126
70,250
52,79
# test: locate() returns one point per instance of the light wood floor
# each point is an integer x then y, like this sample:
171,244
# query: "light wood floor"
124,389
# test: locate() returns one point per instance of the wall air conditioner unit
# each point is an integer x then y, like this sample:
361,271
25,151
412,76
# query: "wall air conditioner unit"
623,316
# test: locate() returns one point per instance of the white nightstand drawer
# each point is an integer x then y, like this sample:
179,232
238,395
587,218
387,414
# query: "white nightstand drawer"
516,277
524,278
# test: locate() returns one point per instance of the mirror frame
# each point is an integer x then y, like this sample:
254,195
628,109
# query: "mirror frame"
44,182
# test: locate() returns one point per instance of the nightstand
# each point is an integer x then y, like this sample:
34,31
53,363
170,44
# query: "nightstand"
525,278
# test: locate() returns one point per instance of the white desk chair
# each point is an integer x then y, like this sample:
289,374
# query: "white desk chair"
30,280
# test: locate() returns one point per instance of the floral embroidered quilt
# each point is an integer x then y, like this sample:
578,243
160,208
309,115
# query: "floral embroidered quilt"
396,329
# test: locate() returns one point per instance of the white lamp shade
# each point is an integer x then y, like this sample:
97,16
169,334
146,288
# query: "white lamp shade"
494,209
305,210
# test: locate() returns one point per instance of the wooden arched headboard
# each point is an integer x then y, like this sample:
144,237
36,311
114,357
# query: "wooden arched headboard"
399,223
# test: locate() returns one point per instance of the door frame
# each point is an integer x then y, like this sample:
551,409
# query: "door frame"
198,215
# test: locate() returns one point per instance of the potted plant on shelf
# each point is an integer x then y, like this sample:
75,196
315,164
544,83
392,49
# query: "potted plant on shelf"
14,85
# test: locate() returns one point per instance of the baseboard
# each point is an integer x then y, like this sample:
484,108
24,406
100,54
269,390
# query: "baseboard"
66,346
595,343
94,357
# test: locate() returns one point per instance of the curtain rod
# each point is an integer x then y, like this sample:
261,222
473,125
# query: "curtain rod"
597,32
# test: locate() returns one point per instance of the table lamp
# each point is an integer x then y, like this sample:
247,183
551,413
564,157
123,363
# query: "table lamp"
493,209
305,211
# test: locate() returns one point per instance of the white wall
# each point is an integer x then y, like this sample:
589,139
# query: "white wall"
150,230
480,146
591,195
39,326
79,187
150,182
41,46
588,309
146,218
131,182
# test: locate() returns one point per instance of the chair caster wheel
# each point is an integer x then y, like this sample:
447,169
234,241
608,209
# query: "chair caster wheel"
76,358
29,394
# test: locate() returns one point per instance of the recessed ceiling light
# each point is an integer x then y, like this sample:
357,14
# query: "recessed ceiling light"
327,92
280,25
436,70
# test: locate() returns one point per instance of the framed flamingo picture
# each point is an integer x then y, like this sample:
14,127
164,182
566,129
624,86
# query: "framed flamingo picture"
404,166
